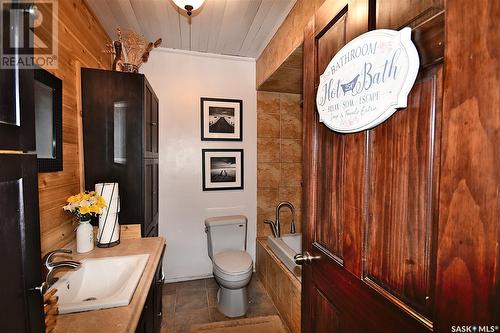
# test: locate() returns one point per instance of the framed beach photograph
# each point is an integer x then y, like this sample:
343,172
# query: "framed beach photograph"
222,169
221,119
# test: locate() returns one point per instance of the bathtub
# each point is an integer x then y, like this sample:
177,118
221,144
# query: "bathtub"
285,248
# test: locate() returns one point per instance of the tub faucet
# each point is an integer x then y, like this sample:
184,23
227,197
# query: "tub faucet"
292,209
275,227
52,267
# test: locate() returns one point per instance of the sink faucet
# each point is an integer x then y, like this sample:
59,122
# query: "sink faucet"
276,226
52,267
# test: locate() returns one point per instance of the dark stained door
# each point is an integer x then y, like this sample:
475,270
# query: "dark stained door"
21,306
371,197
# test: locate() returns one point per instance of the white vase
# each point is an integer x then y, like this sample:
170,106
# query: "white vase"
84,237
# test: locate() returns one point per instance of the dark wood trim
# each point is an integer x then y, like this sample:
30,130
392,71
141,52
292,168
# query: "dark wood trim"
22,137
52,81
25,245
468,257
309,170
18,92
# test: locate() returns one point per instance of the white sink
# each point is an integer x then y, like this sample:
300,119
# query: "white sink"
100,283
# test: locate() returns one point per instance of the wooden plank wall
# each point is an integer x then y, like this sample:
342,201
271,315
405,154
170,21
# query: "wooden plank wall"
289,36
81,42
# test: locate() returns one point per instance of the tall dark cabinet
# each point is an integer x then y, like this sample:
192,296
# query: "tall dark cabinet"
120,132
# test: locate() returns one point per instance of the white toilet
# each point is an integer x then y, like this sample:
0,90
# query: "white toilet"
232,266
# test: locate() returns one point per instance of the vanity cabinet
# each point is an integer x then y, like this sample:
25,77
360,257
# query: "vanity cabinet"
120,134
151,317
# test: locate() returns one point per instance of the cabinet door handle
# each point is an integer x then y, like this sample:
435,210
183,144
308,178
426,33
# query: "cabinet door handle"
160,314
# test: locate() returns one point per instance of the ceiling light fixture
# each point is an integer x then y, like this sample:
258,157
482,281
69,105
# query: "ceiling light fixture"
189,5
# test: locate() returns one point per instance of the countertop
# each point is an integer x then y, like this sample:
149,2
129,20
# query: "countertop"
121,319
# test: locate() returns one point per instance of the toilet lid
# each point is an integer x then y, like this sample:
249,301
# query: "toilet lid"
233,261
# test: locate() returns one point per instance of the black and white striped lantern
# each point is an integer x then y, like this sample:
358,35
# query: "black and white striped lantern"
109,228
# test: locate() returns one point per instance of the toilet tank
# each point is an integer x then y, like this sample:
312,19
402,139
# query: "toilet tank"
226,233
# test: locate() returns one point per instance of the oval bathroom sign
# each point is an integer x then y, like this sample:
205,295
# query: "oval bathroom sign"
367,80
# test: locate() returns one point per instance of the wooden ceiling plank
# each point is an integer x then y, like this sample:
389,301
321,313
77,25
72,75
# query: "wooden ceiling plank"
250,17
200,21
124,17
173,39
277,16
142,13
105,15
184,27
216,25
237,20
162,31
260,18
233,27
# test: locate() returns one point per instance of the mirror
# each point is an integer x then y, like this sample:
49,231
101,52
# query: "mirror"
120,132
48,120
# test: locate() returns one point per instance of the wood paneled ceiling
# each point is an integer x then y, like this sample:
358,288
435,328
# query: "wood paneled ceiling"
230,27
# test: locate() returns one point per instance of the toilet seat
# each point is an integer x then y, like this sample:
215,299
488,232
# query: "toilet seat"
232,265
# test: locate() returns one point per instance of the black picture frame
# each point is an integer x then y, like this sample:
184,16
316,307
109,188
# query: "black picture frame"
237,184
56,163
237,134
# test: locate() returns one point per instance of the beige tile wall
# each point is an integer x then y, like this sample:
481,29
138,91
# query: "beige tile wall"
279,157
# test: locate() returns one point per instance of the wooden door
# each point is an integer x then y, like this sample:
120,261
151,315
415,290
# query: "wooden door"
21,307
371,197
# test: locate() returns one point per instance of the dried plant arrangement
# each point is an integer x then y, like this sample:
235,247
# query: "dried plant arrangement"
130,50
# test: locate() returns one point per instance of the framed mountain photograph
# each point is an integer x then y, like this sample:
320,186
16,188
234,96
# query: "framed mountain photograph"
221,119
222,169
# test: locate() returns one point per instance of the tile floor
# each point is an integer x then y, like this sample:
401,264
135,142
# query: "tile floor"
194,302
